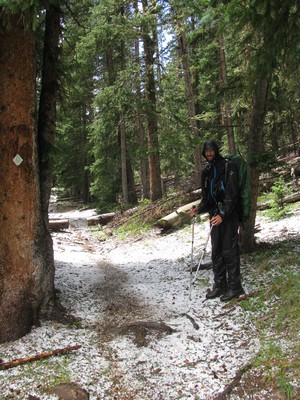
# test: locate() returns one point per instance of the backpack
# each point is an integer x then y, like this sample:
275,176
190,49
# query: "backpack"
244,205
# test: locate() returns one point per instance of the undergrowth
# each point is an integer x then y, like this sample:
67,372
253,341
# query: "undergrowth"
133,227
146,215
279,307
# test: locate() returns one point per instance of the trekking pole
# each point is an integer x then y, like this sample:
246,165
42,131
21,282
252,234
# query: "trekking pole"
192,255
200,261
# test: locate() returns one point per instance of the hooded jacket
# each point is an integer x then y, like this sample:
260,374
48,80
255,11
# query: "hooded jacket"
218,196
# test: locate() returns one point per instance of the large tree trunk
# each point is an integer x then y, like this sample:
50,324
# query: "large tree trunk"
255,147
152,128
26,274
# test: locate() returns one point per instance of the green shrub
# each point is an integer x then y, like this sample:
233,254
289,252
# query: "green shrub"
277,208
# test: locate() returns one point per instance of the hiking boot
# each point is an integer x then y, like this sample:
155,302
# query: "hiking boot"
215,292
231,294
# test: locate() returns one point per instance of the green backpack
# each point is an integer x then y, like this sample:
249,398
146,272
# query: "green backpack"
244,205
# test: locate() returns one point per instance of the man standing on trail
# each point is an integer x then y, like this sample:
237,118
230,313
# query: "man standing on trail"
220,200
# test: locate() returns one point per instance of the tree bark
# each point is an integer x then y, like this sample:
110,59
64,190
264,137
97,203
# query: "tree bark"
255,147
26,273
152,128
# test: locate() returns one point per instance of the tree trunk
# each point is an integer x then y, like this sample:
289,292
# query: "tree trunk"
181,38
152,128
226,106
255,147
85,186
123,161
139,123
26,273
47,106
132,195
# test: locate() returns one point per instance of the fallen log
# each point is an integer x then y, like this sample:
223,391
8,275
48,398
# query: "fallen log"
292,198
176,218
58,224
102,219
36,357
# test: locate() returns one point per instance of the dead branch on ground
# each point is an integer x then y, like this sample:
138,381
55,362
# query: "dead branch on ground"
228,389
36,357
224,313
195,325
238,299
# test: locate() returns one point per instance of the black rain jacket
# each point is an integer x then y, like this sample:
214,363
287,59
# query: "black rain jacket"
219,183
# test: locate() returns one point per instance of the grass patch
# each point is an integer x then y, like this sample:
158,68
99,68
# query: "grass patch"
133,227
279,305
275,213
203,281
275,257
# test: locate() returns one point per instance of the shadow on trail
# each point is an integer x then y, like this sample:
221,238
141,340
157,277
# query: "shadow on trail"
124,313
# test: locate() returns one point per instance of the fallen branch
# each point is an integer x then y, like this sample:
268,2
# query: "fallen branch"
267,316
224,313
19,361
228,389
195,325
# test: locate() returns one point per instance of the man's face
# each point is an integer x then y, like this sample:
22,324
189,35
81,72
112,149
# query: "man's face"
209,154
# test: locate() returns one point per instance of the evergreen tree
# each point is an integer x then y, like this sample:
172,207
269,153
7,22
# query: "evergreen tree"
26,275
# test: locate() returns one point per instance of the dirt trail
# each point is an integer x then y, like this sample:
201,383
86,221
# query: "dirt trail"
159,345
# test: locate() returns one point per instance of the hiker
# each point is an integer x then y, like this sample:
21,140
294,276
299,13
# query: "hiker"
220,200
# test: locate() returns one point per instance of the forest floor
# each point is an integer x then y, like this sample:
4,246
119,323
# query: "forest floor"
144,331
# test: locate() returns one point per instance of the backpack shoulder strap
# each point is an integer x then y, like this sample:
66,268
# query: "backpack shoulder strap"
226,170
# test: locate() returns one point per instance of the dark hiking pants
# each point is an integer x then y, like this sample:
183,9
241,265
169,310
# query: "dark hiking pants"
226,254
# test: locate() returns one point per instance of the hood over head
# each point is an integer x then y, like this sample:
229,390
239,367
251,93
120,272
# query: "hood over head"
211,145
